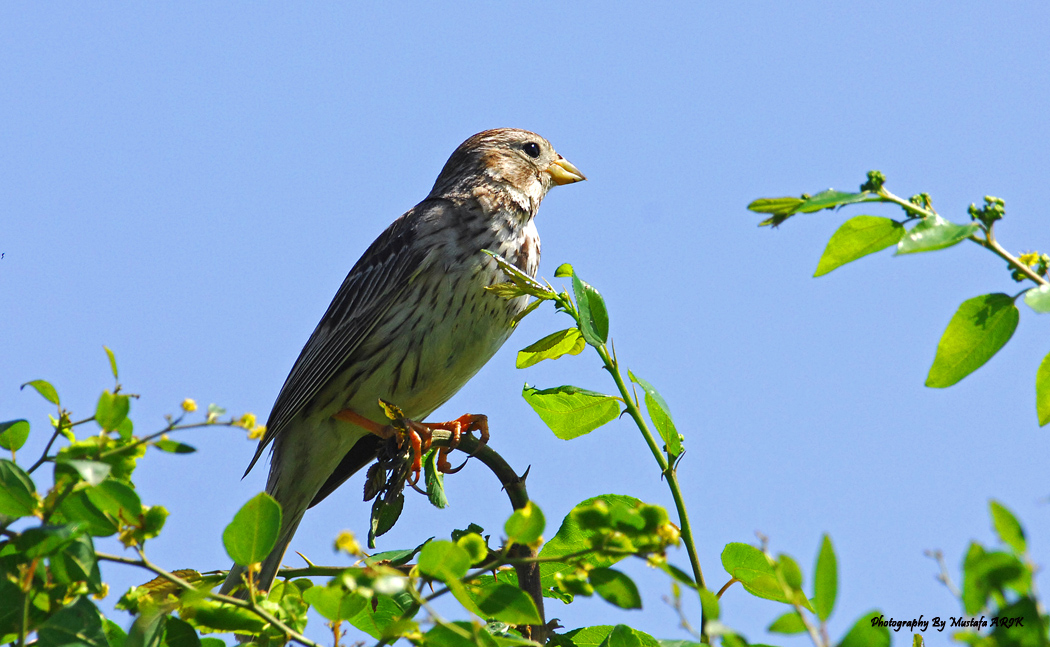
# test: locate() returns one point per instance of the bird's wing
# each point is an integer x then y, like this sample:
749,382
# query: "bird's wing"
376,282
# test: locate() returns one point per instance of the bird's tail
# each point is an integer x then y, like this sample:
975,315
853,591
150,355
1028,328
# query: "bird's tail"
270,565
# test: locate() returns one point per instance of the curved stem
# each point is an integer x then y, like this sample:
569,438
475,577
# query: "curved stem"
665,468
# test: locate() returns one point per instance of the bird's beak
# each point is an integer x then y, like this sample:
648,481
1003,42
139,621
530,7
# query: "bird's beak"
563,172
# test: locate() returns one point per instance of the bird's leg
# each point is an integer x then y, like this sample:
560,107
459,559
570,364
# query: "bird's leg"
418,435
465,423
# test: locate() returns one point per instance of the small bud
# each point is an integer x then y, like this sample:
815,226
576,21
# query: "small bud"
875,181
247,421
256,432
188,405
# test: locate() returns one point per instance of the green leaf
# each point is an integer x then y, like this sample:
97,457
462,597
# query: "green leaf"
16,491
660,414
93,472
1042,391
78,625
784,206
563,270
179,634
857,237
77,563
503,602
754,570
830,198
115,635
825,580
980,327
443,560
174,447
789,623
376,621
434,480
616,588
572,538
597,635
570,411
253,532
526,525
43,541
1008,527
709,604
1038,299
565,342
78,507
116,498
111,410
112,362
334,603
624,636
384,515
987,572
209,615
864,634
44,388
934,233
790,570
475,545
594,318
13,434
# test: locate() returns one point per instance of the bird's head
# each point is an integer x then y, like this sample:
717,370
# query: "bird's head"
518,162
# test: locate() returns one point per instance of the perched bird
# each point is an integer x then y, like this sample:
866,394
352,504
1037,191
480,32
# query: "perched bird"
411,322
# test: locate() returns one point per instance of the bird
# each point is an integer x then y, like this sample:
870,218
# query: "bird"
410,324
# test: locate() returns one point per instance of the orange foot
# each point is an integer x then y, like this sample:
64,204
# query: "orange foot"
420,435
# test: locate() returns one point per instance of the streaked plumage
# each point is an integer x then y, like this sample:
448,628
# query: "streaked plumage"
411,322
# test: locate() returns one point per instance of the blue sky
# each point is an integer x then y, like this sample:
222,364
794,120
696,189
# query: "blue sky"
188,184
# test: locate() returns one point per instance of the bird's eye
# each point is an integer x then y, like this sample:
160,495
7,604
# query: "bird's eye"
532,149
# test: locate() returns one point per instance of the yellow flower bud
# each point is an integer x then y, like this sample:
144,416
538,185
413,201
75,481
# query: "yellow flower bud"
256,432
347,542
188,405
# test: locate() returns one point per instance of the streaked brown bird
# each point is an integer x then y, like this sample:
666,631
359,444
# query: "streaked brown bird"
411,322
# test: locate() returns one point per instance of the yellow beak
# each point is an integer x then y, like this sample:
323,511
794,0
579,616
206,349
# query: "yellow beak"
563,172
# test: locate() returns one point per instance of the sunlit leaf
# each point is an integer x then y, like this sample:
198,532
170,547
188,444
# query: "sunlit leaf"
934,233
570,411
13,434
16,491
111,410
594,318
865,634
44,388
444,560
526,525
789,623
334,603
660,414
980,327
112,361
825,580
830,198
1008,527
1042,391
565,342
253,532
1038,299
174,447
858,237
435,481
